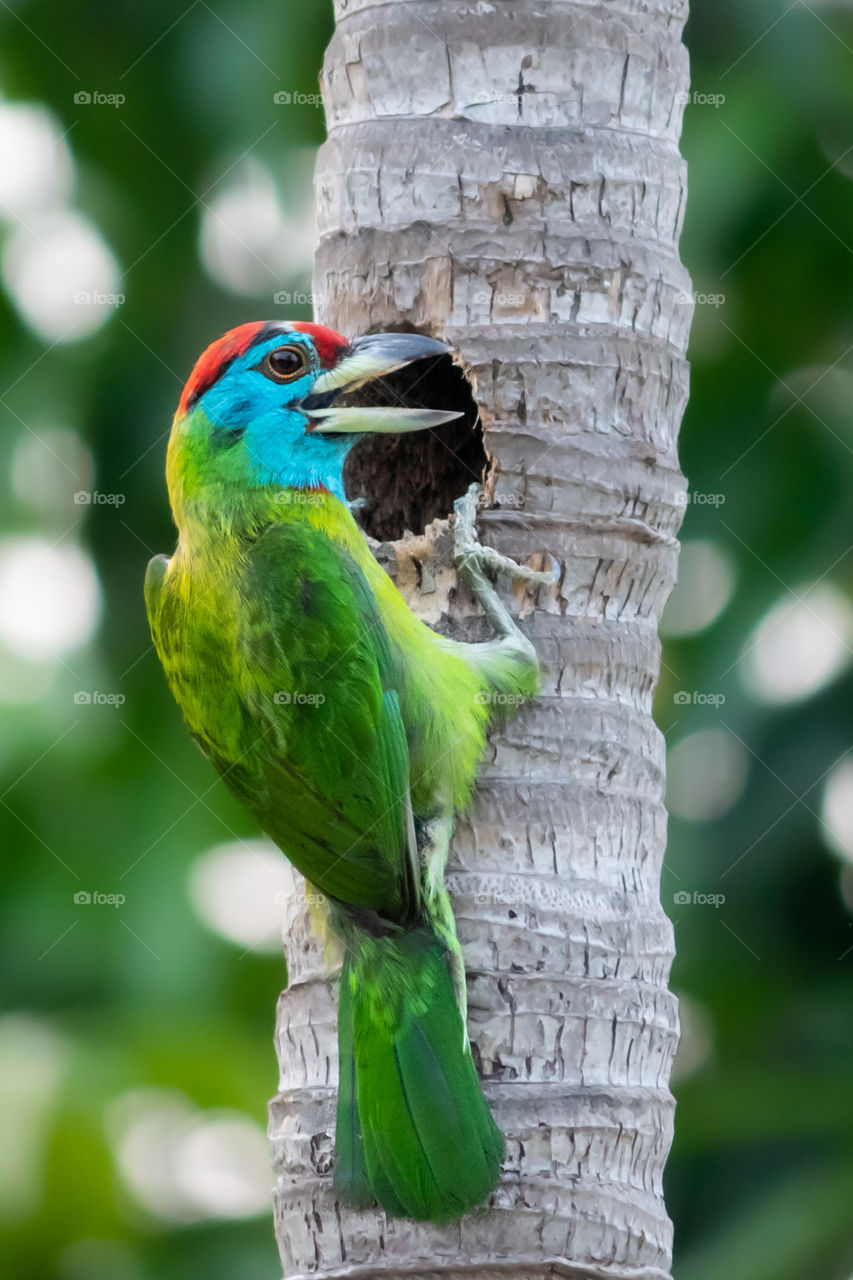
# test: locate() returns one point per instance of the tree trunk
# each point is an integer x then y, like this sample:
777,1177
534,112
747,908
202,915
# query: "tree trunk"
505,174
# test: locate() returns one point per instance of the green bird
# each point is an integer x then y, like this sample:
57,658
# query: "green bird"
348,729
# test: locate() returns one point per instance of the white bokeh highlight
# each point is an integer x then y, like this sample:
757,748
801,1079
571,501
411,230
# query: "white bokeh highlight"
50,599
706,583
837,810
249,241
24,682
238,890
706,775
33,1062
36,168
800,645
61,275
696,1043
846,887
50,465
183,1164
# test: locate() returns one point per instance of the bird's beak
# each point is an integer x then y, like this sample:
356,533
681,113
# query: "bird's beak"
367,359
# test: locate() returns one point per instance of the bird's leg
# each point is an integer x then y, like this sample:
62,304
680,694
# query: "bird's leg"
437,836
472,558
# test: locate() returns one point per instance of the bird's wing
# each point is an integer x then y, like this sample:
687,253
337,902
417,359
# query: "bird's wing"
320,687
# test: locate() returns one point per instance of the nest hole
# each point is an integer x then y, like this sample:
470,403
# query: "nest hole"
404,482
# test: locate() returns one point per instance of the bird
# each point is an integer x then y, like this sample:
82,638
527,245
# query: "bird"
348,728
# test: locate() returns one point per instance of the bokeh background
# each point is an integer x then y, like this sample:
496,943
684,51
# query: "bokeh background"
154,192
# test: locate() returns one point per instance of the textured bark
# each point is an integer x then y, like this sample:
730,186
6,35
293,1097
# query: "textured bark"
505,174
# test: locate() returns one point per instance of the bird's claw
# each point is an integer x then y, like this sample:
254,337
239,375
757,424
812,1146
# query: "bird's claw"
471,559
469,551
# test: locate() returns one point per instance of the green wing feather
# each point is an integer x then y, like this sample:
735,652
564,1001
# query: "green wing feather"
288,690
327,708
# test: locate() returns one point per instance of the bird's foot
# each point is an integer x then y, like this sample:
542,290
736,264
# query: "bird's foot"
472,559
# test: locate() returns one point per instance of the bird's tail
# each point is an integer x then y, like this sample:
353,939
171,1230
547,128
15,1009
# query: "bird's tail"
413,1130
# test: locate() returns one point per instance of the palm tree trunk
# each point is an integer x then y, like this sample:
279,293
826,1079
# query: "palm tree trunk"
506,174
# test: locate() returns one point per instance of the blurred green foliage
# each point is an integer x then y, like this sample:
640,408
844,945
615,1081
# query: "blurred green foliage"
145,996
103,1002
759,1183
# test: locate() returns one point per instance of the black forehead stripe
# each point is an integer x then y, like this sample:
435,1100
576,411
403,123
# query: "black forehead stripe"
268,330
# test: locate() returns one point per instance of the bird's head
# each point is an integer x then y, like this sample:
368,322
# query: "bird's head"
273,404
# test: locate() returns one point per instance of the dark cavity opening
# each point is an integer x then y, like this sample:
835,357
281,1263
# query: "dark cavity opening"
405,482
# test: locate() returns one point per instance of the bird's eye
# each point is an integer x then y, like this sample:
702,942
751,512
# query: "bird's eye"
285,364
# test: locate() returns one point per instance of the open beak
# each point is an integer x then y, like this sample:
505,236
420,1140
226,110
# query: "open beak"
369,358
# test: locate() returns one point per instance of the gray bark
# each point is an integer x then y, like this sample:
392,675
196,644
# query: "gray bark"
505,174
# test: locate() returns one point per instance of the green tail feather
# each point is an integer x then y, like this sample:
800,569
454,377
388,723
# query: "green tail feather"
414,1131
351,1182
